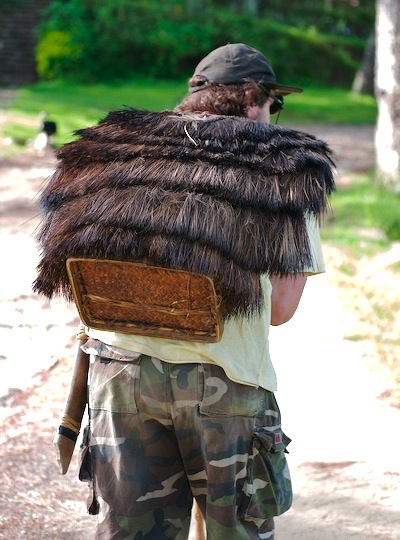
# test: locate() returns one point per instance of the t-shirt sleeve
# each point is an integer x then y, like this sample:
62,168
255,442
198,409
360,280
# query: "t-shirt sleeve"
317,265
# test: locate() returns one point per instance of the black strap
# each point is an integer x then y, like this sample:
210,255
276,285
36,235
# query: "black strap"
67,433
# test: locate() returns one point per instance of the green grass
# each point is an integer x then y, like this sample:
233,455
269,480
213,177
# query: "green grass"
362,217
75,106
329,106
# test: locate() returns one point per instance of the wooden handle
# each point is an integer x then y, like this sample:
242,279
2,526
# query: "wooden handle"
74,409
197,525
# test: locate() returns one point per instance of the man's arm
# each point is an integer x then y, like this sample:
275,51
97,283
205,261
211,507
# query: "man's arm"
285,296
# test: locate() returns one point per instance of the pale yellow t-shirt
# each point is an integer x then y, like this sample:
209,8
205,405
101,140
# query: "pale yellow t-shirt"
243,351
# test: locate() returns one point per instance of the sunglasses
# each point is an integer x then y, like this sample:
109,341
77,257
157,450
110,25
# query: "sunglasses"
277,104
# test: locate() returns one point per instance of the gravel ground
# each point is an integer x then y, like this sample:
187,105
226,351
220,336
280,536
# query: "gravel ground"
344,457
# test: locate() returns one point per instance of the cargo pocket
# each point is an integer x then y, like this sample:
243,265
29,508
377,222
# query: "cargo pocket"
267,491
114,385
86,472
222,397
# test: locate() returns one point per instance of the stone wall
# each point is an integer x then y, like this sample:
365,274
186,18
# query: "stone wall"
18,23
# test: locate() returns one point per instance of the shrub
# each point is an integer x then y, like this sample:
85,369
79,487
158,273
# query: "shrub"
54,53
122,38
391,226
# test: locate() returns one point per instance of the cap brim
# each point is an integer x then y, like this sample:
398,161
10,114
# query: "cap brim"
283,90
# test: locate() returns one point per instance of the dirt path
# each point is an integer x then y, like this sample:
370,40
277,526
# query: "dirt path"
344,455
35,362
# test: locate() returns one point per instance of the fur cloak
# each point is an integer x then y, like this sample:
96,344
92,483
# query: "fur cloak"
217,195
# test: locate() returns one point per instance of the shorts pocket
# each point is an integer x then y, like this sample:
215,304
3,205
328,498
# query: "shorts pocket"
222,397
86,472
267,491
85,458
114,385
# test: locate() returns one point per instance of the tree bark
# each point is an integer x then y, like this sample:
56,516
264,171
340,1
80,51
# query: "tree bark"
387,137
364,81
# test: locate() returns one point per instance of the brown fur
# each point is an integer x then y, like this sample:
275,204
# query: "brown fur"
218,195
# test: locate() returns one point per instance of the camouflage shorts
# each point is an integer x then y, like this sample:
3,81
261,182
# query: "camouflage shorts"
161,434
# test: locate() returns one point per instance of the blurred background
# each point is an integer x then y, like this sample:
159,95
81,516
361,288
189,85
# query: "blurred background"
63,65
76,59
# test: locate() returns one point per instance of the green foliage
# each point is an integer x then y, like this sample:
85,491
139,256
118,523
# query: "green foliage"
329,106
107,39
54,51
342,18
75,106
307,56
365,218
391,224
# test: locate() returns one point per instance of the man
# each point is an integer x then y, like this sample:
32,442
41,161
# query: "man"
172,420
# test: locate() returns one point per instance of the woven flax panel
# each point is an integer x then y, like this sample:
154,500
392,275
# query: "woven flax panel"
145,300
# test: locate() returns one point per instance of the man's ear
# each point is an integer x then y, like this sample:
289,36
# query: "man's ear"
250,105
249,98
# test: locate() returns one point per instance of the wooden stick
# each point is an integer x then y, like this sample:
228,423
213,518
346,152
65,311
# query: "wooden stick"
197,526
68,431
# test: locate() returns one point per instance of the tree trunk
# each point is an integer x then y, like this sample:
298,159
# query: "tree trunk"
387,137
364,81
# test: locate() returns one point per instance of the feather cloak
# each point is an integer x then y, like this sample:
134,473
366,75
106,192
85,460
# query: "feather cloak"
217,195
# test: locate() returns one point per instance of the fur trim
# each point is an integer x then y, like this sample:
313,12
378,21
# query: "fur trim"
217,195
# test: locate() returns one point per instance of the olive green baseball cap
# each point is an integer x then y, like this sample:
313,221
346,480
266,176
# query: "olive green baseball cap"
234,62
